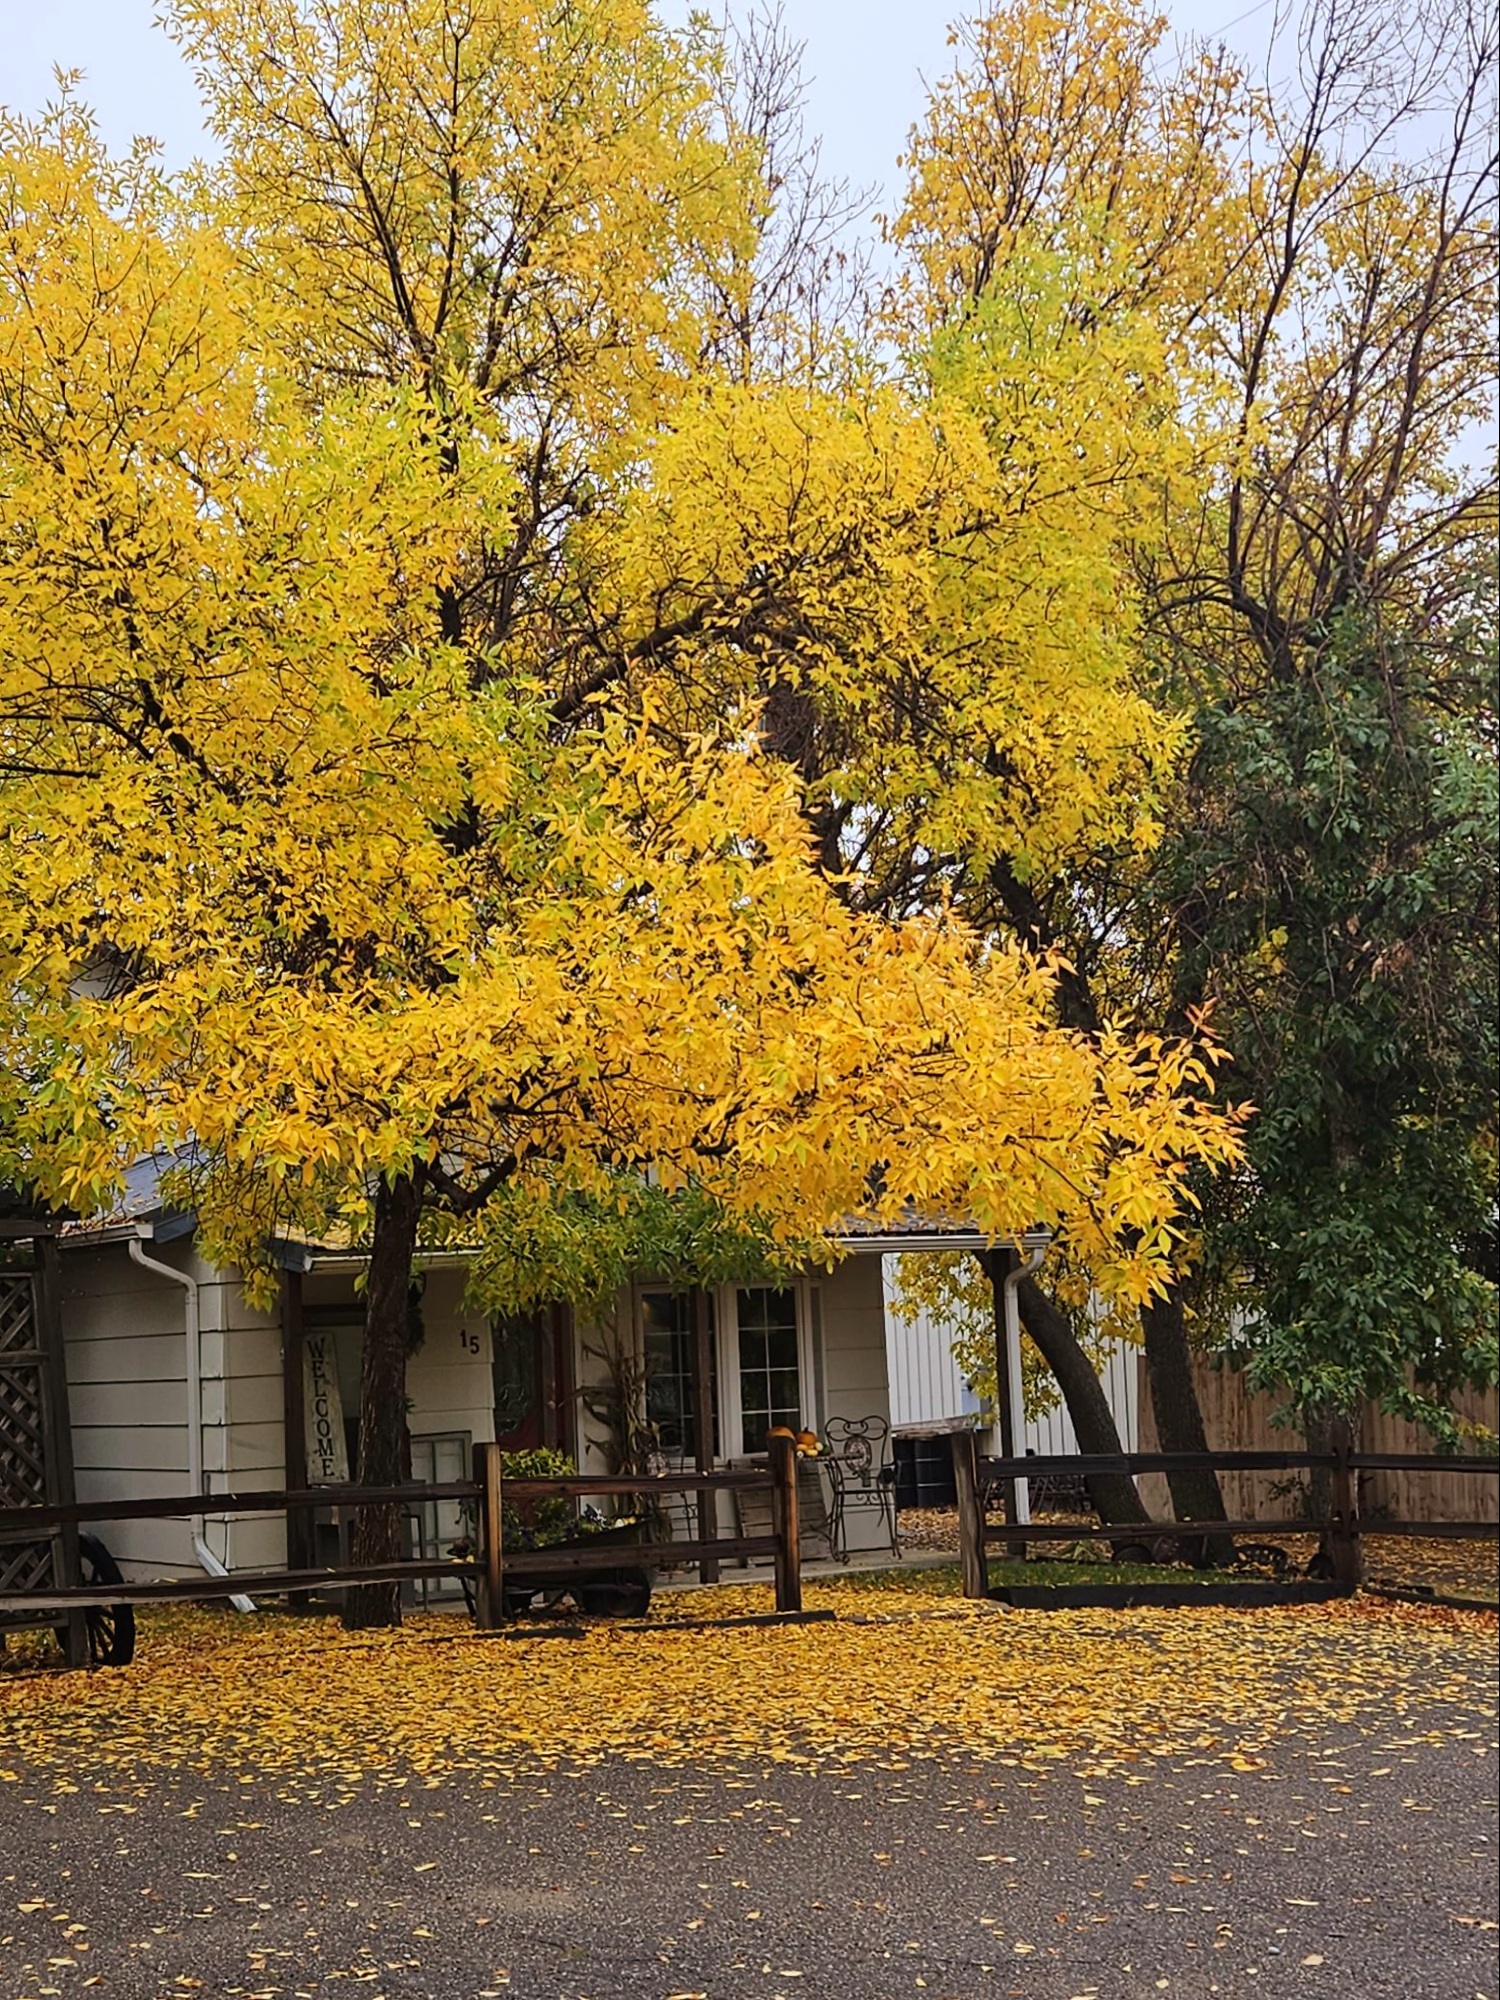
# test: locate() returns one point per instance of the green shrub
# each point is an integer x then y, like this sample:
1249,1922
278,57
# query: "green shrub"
537,1524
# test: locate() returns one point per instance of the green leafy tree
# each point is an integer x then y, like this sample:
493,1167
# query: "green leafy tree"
1341,878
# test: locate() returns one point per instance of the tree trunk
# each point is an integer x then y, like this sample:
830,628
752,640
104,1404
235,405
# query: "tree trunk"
1196,1496
376,1536
1112,1495
1318,1424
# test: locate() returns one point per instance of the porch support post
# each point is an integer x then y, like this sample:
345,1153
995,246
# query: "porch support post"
294,1422
703,1429
998,1265
973,1563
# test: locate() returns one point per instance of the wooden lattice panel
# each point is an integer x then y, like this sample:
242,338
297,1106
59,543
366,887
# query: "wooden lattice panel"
27,1476
23,1438
18,1327
27,1566
23,1406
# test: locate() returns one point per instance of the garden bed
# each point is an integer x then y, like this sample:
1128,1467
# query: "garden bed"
1244,1593
1461,1573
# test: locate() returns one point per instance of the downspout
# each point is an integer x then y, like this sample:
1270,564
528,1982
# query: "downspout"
193,1330
1027,1267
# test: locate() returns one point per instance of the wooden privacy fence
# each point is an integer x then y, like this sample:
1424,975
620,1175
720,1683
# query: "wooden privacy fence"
1341,1525
487,1568
1239,1418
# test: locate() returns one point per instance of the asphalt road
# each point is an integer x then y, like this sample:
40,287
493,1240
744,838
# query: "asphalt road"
1345,1868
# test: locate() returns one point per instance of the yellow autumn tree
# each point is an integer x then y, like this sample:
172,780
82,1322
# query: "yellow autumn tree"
404,622
1315,255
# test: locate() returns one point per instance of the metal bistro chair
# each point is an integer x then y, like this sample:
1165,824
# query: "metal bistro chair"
677,1513
752,1510
861,1477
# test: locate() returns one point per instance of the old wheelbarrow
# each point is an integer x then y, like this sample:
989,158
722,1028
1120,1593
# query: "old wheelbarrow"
619,1591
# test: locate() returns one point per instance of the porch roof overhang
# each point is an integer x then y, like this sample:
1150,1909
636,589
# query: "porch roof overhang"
895,1242
855,1240
151,1228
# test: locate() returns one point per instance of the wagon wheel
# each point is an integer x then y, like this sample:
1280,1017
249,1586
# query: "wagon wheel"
617,1594
111,1627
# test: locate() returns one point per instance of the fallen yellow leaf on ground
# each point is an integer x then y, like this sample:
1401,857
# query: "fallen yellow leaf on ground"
312,1710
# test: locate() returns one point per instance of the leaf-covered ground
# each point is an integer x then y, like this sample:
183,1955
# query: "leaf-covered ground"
920,1797
897,1677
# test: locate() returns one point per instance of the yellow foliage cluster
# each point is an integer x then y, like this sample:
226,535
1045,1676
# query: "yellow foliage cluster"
1060,118
393,604
1316,257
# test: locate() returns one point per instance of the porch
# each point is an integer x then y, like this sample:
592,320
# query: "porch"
666,1380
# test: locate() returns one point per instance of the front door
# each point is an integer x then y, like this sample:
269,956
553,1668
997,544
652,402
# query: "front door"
762,1367
529,1377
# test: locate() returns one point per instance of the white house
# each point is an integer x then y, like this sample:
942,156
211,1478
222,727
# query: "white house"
177,1384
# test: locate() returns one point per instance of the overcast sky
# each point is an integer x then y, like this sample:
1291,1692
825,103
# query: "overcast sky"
865,60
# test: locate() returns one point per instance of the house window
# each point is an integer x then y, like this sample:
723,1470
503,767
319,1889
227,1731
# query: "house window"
770,1375
668,1338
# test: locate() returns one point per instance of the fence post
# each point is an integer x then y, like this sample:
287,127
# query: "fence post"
971,1552
489,1598
784,1525
1344,1547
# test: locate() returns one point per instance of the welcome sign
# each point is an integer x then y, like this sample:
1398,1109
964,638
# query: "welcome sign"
327,1454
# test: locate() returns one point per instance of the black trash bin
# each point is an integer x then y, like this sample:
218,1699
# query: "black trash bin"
924,1471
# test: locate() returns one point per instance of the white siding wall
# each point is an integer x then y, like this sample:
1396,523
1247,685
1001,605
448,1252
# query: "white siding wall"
855,1378
126,1346
242,1441
127,1394
1122,1391
448,1382
448,1379
927,1385
125,1341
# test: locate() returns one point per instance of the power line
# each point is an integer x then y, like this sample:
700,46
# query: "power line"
1224,27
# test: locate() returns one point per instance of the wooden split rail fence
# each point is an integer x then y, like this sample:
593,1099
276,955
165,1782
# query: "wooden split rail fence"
486,1569
1341,1526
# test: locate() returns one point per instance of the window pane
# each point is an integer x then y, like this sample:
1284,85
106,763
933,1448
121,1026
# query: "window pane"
781,1347
784,1387
770,1383
668,1341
